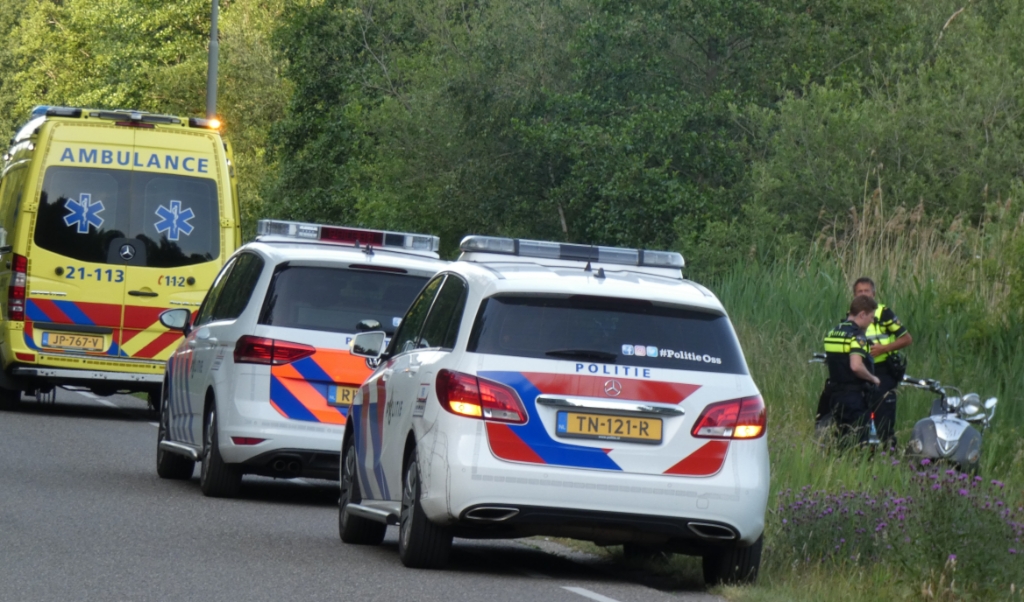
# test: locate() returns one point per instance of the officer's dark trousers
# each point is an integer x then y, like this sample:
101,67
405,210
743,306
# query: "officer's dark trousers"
885,408
851,414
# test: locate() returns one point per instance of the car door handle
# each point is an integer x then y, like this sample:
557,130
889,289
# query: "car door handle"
143,294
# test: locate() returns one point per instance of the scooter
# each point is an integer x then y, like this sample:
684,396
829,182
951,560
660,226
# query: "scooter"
949,431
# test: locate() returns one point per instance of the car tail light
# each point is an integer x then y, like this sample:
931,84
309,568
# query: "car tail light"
259,350
468,395
16,289
734,419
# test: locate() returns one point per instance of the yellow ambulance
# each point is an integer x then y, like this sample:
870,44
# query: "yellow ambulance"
107,218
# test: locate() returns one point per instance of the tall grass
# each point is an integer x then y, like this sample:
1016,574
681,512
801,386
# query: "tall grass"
955,285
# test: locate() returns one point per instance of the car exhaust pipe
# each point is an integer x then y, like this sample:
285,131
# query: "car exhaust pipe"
279,465
294,467
710,531
491,514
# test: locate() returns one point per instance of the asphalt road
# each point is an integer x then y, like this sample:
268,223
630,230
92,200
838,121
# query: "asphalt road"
83,516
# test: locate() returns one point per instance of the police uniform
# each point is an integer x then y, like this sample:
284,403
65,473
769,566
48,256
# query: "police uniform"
848,401
885,329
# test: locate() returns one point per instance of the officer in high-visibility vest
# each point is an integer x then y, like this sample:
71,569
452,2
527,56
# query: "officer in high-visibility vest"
850,371
887,336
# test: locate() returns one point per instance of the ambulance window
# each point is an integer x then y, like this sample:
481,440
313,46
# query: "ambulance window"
238,287
442,326
80,211
177,219
83,209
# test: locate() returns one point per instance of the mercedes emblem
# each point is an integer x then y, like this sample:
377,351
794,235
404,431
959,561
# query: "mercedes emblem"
127,252
612,388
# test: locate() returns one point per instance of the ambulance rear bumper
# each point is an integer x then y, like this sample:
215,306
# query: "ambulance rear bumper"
88,375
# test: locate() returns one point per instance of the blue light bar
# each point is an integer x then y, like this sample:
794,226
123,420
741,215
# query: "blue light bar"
571,252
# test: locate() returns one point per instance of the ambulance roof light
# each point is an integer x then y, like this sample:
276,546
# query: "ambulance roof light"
48,111
346,235
571,252
199,122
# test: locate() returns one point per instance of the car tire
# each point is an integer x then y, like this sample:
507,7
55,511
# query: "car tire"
10,399
170,465
733,565
216,477
422,544
354,529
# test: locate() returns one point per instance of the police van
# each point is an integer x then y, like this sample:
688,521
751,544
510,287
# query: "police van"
107,219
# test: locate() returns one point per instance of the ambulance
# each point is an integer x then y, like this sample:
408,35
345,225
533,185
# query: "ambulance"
107,219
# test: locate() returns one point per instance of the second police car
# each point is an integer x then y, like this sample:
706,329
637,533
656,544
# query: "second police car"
538,388
263,380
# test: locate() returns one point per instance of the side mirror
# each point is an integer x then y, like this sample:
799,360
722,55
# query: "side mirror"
368,344
177,319
4,247
990,403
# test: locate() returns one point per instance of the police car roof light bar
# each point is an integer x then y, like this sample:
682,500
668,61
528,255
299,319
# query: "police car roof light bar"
346,235
571,252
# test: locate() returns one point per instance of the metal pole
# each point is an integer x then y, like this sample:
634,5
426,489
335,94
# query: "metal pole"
211,69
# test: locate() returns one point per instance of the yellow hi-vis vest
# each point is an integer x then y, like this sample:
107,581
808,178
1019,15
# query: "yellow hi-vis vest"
884,329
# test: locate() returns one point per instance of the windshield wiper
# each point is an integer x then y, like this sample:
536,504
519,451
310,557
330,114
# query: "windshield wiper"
589,354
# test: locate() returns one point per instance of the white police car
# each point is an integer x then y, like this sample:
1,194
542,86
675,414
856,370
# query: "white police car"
263,380
539,388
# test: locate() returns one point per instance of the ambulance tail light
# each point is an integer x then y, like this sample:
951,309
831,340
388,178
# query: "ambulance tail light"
16,289
468,395
348,236
742,418
270,352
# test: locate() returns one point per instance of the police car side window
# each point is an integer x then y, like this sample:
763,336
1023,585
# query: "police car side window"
442,325
409,330
206,310
238,287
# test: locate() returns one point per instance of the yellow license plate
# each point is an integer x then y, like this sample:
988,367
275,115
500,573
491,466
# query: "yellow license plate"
341,396
81,342
609,428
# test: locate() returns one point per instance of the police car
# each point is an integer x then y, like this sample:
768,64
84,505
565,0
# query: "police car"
263,380
539,388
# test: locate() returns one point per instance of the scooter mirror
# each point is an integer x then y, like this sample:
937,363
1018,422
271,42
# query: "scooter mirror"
990,403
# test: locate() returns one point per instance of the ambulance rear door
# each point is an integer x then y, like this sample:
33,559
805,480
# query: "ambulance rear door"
75,286
181,231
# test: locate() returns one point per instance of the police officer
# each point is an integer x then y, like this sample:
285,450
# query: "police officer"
850,367
887,336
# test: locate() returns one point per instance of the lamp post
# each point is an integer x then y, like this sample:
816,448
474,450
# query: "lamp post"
211,68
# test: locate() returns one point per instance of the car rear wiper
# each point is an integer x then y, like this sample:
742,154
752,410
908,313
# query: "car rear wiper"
589,354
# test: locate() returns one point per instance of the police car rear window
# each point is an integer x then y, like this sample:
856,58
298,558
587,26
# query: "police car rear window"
84,211
338,299
605,330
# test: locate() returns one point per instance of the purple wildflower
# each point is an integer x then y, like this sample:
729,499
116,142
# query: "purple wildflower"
925,462
965,492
